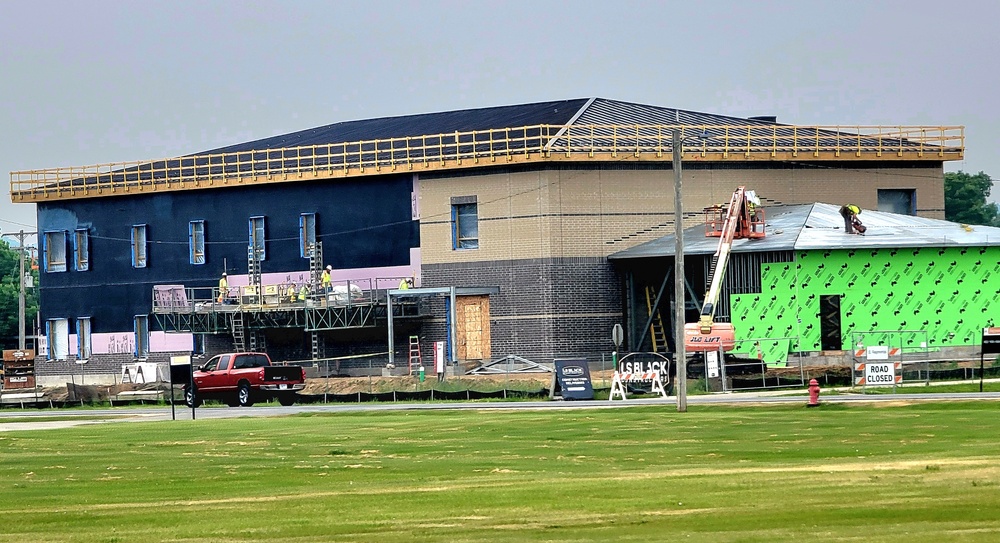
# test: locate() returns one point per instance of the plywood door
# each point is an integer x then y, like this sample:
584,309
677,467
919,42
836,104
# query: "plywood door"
472,315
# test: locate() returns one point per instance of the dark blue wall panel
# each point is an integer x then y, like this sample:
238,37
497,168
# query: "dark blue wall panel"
362,223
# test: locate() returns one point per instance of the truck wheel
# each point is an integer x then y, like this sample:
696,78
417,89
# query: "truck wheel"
286,400
191,397
243,395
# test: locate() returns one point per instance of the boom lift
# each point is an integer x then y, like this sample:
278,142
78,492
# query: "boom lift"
743,218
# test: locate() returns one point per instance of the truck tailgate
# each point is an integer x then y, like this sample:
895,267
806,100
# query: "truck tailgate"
283,373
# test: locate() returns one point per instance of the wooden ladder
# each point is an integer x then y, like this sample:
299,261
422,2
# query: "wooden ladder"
657,334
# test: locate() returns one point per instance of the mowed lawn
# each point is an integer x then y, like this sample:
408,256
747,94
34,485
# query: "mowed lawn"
926,472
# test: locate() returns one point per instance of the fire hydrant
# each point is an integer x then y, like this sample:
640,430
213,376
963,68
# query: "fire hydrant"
813,393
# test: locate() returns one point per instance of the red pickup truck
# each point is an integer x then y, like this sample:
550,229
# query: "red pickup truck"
240,379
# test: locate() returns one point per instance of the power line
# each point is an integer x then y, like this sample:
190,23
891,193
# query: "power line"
8,221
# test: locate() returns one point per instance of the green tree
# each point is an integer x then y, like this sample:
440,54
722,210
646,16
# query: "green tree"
965,199
10,270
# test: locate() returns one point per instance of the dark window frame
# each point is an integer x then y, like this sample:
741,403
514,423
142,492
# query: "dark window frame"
464,223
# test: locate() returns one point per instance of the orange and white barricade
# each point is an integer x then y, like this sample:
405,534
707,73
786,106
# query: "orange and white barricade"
618,383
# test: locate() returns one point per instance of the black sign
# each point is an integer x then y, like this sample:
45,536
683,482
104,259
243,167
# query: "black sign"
180,374
991,340
572,380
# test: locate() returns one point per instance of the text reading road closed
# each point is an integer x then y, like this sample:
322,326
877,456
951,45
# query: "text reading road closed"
880,374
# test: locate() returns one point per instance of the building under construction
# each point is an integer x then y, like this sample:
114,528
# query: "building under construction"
504,218
920,285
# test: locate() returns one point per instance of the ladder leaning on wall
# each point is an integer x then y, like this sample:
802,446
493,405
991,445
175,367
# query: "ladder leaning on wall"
414,359
657,334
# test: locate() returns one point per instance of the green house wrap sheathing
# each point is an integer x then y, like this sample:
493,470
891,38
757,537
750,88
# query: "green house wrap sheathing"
947,294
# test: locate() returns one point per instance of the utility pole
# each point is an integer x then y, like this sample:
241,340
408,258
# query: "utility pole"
679,302
677,141
20,297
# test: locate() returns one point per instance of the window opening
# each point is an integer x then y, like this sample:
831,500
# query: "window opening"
899,201
465,229
54,257
196,242
83,342
81,250
57,335
257,237
139,246
307,234
141,336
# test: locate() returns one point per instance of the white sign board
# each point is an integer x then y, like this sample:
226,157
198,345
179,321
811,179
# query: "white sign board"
439,357
878,352
180,360
712,358
881,373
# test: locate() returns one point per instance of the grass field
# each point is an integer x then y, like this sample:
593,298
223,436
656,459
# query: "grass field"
925,472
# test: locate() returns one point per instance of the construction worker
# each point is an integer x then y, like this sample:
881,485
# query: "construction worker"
223,287
303,292
850,214
405,283
325,279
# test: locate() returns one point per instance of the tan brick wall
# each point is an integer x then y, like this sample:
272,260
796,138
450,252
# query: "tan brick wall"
593,213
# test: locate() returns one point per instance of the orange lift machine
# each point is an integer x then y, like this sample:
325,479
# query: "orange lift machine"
743,218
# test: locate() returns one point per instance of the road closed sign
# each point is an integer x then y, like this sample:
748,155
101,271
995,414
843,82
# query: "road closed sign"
879,373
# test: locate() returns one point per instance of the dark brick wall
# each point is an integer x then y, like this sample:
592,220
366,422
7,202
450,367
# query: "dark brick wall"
546,308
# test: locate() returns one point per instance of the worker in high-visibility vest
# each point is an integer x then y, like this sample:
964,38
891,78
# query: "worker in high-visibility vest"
223,287
850,214
303,292
325,279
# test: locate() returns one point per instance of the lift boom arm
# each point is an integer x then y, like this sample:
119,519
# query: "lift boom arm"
743,219
736,211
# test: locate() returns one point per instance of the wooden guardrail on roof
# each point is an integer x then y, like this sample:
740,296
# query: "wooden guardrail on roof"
537,143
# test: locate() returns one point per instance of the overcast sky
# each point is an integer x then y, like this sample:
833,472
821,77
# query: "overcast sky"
102,81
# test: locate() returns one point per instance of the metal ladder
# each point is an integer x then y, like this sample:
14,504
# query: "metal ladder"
239,332
257,341
657,333
714,263
414,353
315,265
253,273
317,345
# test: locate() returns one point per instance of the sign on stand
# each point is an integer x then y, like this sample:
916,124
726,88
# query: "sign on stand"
712,364
641,370
181,372
439,359
571,380
879,373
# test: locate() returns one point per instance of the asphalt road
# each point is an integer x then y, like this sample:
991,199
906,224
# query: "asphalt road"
38,419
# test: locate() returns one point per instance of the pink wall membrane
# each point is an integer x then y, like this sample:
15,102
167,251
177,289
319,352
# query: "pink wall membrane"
124,343
384,277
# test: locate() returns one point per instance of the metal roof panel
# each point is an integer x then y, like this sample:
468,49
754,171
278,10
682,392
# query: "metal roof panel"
820,226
